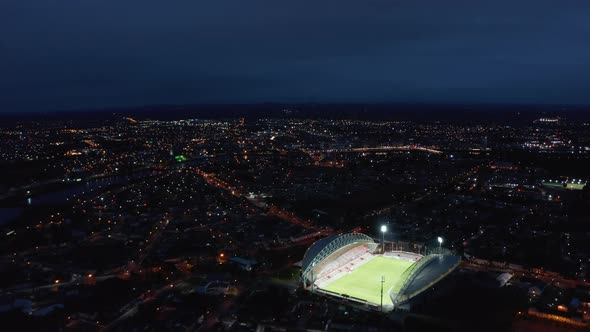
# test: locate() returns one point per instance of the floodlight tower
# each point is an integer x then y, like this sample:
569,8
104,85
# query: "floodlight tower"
440,241
382,281
383,230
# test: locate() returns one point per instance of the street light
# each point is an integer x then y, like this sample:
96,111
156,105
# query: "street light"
383,230
440,241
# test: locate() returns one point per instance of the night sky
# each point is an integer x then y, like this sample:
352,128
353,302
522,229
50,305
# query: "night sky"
71,54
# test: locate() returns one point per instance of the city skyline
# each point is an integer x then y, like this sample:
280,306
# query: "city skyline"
158,222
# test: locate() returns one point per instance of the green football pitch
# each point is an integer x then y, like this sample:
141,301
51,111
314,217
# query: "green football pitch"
364,282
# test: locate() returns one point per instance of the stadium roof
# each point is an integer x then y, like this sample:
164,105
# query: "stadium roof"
315,249
428,271
328,245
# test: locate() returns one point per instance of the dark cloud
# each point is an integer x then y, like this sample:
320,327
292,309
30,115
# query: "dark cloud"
60,54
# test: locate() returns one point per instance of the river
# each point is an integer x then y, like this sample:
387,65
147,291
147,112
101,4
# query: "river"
65,195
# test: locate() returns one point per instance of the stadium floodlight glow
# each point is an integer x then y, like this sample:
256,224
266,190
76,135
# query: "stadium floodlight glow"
383,229
366,281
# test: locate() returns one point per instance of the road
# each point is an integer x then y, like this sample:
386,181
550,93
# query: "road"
547,277
276,211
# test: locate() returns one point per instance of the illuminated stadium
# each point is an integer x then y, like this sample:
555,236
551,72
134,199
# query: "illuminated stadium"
348,267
